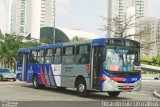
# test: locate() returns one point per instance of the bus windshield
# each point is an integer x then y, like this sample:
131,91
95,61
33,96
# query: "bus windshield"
121,60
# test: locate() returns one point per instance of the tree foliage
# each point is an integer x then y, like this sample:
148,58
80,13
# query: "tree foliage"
122,28
76,38
9,46
29,44
47,40
151,60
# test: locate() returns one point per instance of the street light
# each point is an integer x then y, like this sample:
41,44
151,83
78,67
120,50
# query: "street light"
54,21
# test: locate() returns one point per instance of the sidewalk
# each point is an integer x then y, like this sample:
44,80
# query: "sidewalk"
157,93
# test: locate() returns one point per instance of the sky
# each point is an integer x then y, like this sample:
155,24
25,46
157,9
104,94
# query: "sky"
84,15
154,8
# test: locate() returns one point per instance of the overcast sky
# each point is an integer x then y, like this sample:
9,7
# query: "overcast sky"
79,14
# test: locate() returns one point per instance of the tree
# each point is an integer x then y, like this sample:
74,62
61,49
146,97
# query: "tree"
9,49
1,35
120,26
47,40
156,59
123,27
9,46
30,44
76,38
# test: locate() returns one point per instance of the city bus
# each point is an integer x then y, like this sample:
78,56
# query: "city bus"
110,65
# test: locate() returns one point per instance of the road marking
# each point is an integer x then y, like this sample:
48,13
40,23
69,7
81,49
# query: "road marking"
156,93
135,93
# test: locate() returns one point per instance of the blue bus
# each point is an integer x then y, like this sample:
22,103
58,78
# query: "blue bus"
109,65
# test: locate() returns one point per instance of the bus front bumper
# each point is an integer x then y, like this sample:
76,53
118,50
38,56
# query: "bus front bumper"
110,85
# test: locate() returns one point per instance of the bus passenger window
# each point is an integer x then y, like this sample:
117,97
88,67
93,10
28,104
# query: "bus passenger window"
58,57
49,56
33,57
40,57
83,54
68,55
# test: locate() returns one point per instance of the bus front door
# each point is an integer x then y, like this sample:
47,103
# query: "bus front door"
24,66
96,61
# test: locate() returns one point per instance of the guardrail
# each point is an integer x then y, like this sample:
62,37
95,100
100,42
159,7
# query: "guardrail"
148,76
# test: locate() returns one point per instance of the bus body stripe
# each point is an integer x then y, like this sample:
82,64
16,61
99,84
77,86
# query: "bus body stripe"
42,76
46,76
51,77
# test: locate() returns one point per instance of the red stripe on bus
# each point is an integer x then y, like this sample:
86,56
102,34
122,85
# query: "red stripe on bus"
42,76
118,79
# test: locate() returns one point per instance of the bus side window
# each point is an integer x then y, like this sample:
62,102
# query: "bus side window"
68,55
58,56
33,57
40,56
83,54
49,56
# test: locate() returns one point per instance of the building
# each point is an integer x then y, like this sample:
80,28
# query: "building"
47,13
29,15
18,16
150,40
64,35
158,37
122,9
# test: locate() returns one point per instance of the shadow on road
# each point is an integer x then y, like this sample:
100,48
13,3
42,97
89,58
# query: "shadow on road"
92,95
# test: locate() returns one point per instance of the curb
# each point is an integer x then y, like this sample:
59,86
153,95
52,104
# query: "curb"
156,94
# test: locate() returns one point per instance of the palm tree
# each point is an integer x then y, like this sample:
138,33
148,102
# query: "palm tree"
9,46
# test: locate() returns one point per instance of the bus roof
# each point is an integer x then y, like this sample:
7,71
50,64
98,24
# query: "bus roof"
40,47
94,42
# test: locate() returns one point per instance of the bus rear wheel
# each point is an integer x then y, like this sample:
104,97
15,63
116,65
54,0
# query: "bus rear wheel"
113,94
82,88
35,83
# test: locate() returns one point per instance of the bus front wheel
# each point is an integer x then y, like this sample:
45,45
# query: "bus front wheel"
82,88
113,94
35,82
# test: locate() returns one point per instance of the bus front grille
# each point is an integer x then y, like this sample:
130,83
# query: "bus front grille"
123,88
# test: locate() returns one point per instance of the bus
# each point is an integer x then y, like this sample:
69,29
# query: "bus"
110,65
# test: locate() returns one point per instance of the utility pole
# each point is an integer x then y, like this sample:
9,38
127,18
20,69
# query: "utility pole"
54,21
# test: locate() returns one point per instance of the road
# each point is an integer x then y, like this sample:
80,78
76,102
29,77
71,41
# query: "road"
17,91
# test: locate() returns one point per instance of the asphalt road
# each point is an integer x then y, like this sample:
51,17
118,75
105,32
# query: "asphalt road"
17,91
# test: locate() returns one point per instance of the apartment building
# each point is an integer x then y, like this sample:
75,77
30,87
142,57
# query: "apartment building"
125,8
29,15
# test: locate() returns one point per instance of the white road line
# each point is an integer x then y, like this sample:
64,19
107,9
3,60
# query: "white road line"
135,93
156,94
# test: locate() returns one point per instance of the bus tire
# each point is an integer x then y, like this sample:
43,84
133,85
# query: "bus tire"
35,82
82,88
113,94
